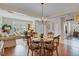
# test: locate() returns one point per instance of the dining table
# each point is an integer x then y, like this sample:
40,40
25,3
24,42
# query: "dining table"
42,42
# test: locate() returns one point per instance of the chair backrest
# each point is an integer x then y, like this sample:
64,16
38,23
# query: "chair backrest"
28,40
50,34
56,40
35,34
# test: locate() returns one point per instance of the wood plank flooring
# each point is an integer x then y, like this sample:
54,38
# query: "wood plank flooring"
68,48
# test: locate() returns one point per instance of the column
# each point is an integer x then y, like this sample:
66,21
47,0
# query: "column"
62,27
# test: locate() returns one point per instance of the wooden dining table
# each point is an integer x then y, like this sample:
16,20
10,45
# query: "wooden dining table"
42,42
44,39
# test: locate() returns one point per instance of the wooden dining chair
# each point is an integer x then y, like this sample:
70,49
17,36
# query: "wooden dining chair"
33,45
28,44
28,37
48,48
56,44
52,46
50,34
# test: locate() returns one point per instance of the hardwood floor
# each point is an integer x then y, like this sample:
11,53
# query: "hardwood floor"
68,48
19,50
71,44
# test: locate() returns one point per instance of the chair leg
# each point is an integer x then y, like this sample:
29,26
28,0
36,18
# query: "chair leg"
44,52
48,53
28,52
52,52
40,52
2,52
32,53
57,52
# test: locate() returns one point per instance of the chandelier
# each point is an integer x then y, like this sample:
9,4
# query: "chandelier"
44,18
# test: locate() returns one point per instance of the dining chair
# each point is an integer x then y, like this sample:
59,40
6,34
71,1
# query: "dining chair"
56,44
33,45
48,48
28,44
28,37
35,34
50,34
52,46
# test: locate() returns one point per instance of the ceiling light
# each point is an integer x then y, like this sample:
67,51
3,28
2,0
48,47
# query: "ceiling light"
43,18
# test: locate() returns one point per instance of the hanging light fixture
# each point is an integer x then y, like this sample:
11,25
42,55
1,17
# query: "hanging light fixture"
44,19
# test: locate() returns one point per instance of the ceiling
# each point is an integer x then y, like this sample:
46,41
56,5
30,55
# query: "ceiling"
35,9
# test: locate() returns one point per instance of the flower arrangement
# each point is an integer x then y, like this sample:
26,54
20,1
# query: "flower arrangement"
5,27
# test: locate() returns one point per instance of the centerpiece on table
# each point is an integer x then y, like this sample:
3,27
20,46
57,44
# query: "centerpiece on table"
42,35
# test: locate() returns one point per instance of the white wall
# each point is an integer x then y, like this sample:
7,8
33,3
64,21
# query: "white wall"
55,22
59,23
16,16
20,25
